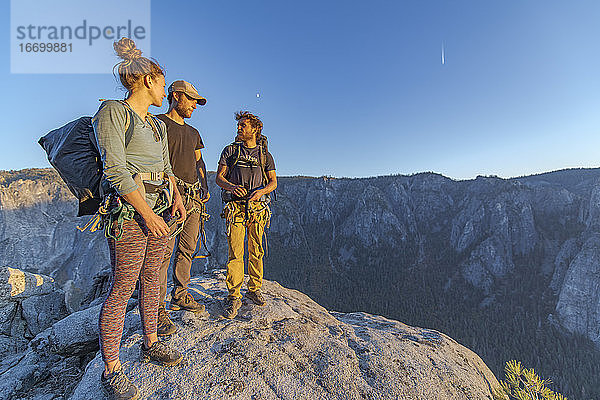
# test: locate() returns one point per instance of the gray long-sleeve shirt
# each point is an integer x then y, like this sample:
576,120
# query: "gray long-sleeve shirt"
143,154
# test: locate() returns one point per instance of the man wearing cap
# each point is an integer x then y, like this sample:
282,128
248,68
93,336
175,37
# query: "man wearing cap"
185,146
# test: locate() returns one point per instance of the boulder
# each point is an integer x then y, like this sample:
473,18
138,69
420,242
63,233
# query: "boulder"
17,285
29,303
40,312
54,359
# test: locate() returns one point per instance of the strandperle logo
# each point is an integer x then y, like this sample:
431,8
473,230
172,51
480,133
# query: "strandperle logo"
81,32
74,36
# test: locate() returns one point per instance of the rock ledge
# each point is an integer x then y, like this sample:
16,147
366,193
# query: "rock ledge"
292,348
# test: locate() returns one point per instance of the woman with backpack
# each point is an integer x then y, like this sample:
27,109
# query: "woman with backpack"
138,173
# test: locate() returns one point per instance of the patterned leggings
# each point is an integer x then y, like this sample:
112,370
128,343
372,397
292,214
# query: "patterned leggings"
135,254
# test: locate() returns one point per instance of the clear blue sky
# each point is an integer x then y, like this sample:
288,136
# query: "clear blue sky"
351,88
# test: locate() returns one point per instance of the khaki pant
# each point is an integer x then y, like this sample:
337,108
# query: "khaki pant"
258,216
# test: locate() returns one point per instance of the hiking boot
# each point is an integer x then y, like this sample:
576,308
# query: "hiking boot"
231,307
162,354
256,297
118,387
186,302
165,326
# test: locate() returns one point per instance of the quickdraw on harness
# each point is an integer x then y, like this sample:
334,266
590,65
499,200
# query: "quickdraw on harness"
190,190
163,203
192,193
258,214
204,216
113,211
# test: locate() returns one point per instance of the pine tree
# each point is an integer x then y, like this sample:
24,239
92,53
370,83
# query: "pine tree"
524,384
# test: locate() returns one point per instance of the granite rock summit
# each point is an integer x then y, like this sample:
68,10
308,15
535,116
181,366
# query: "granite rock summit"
292,348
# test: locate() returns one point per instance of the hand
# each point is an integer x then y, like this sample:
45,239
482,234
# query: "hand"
156,225
239,191
205,198
256,195
178,208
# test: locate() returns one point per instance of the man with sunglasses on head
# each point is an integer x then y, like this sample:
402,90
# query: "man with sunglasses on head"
185,146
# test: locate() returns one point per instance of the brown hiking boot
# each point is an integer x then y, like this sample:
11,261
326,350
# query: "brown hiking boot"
165,326
256,297
231,305
186,302
161,353
118,387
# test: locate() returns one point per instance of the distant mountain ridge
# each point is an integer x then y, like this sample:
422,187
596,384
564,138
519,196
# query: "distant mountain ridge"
506,266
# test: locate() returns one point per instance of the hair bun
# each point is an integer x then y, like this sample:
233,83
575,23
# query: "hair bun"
125,48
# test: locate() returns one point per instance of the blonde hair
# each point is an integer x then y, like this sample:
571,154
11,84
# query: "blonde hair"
134,67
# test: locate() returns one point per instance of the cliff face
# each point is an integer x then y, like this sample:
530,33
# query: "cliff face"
423,248
481,231
38,231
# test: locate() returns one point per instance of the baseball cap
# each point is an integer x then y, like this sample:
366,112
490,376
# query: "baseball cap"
187,88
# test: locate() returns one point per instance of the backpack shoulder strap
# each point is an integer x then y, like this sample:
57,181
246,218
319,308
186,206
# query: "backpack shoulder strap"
263,163
238,151
155,122
129,122
129,131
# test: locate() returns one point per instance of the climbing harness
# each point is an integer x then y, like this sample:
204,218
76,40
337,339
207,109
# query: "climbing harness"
204,216
113,211
111,214
192,194
256,212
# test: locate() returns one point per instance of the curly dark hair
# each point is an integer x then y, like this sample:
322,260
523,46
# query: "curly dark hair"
253,119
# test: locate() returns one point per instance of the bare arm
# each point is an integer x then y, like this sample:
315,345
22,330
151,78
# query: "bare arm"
223,183
201,170
177,201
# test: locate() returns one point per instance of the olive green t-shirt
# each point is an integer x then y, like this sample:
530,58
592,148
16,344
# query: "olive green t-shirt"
146,152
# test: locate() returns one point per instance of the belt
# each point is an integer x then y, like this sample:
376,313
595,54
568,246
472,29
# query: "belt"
151,176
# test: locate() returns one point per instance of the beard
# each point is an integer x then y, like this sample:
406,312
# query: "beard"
243,136
184,112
